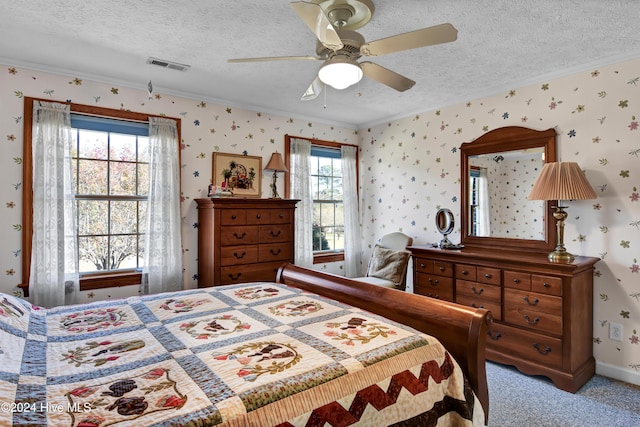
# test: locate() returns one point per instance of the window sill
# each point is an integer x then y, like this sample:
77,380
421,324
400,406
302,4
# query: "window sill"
100,281
111,280
324,257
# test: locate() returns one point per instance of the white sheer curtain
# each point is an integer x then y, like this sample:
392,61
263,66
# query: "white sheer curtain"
352,254
484,205
163,246
301,189
54,278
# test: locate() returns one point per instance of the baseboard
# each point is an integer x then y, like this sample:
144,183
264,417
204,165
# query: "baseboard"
618,373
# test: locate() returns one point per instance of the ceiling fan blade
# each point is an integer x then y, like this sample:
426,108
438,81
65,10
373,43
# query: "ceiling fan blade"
277,58
317,21
314,89
385,76
443,33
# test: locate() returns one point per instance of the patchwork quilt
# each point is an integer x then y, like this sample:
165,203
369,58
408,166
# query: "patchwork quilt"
254,354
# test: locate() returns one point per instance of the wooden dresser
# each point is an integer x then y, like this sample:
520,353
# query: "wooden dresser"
542,311
243,240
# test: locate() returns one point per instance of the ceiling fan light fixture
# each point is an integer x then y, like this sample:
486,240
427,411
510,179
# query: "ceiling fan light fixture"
340,72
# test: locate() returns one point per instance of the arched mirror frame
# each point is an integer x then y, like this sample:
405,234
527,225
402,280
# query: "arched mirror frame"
499,140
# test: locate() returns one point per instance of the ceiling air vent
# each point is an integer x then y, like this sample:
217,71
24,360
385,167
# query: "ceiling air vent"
168,64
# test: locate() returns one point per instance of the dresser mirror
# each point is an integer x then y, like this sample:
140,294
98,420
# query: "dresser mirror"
498,171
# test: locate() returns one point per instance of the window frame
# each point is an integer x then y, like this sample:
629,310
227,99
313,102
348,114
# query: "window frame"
89,281
318,257
474,174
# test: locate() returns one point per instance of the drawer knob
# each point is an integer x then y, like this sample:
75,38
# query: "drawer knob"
464,272
543,352
434,296
487,276
234,277
442,268
281,216
473,304
276,233
531,322
422,265
433,282
546,285
240,236
233,217
258,216
476,291
493,336
275,252
516,280
528,301
242,255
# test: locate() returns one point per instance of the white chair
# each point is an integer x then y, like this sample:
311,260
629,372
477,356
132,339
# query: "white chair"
389,262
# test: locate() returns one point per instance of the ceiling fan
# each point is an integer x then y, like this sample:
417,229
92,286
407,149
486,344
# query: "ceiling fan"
333,22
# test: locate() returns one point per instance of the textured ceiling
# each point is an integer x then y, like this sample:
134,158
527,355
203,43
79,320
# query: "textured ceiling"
501,45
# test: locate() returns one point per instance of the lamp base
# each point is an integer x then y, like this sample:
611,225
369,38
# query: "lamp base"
274,188
560,256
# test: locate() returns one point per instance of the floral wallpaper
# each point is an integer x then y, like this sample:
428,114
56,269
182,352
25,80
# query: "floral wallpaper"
410,168
206,128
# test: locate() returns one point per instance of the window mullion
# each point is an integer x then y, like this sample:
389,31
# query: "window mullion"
137,233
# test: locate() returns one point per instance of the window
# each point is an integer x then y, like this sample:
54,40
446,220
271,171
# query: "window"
326,191
325,170
111,180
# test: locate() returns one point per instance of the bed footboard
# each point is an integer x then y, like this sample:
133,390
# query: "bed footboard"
462,330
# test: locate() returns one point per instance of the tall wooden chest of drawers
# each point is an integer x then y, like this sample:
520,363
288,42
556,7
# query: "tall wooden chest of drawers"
243,240
542,311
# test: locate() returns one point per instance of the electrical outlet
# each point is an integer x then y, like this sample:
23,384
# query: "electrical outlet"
615,331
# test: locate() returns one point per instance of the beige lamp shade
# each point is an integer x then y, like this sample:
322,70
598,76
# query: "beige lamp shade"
562,181
276,163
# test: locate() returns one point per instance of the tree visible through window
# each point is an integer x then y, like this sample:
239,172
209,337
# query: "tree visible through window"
111,180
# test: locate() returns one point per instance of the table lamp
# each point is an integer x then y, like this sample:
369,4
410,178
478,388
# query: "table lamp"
276,164
561,181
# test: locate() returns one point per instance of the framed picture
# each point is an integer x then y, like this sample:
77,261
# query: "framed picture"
240,174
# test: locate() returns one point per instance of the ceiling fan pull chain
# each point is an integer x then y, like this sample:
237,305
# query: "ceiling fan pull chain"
325,99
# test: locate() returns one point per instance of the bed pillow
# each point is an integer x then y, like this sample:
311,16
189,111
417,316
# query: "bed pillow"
388,264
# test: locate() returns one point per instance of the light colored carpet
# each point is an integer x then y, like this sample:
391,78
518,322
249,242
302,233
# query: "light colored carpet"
518,400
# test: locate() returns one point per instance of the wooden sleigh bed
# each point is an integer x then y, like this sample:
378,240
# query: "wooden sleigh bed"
462,330
309,349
